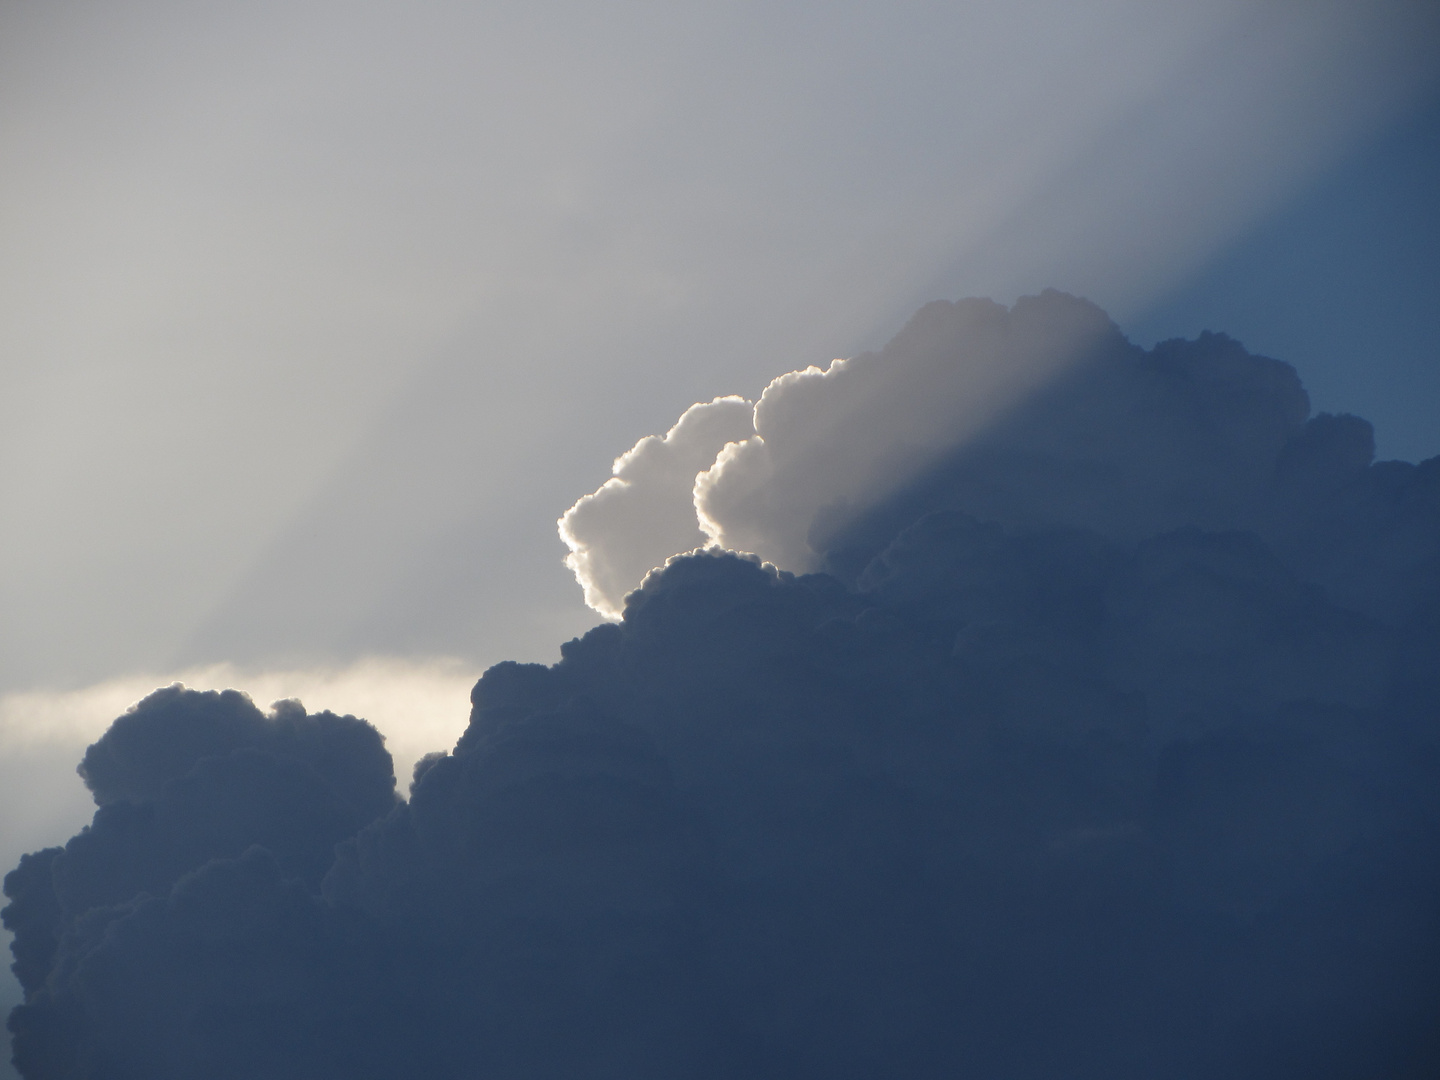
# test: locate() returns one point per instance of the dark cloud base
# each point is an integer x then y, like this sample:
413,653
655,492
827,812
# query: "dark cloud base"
1110,748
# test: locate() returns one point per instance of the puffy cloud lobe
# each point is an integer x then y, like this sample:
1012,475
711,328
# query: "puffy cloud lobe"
1028,787
174,731
829,444
183,779
644,514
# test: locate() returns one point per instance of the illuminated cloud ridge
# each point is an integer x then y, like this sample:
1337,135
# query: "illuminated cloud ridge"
640,517
1041,413
823,445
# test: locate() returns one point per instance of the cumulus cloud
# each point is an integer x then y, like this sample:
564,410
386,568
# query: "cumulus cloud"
412,701
644,513
823,446
1105,747
417,704
1038,413
831,443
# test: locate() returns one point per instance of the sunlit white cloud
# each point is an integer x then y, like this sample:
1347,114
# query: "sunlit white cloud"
829,444
643,514
825,444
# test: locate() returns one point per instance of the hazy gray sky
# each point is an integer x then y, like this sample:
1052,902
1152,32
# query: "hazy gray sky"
316,316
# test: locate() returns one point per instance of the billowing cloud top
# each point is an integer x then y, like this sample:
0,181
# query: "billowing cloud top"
830,444
1104,746
637,519
1040,413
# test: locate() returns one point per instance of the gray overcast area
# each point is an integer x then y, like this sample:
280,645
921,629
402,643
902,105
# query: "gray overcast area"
314,317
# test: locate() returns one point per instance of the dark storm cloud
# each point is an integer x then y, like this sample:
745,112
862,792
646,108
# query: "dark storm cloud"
182,780
1106,749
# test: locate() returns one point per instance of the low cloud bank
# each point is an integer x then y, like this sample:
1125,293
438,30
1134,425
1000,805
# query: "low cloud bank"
1105,746
412,701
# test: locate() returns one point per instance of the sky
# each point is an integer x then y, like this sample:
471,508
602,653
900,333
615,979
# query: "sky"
316,317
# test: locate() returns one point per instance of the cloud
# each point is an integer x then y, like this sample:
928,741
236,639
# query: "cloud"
413,702
643,515
417,704
183,779
1041,414
824,445
1034,414
829,444
1107,745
